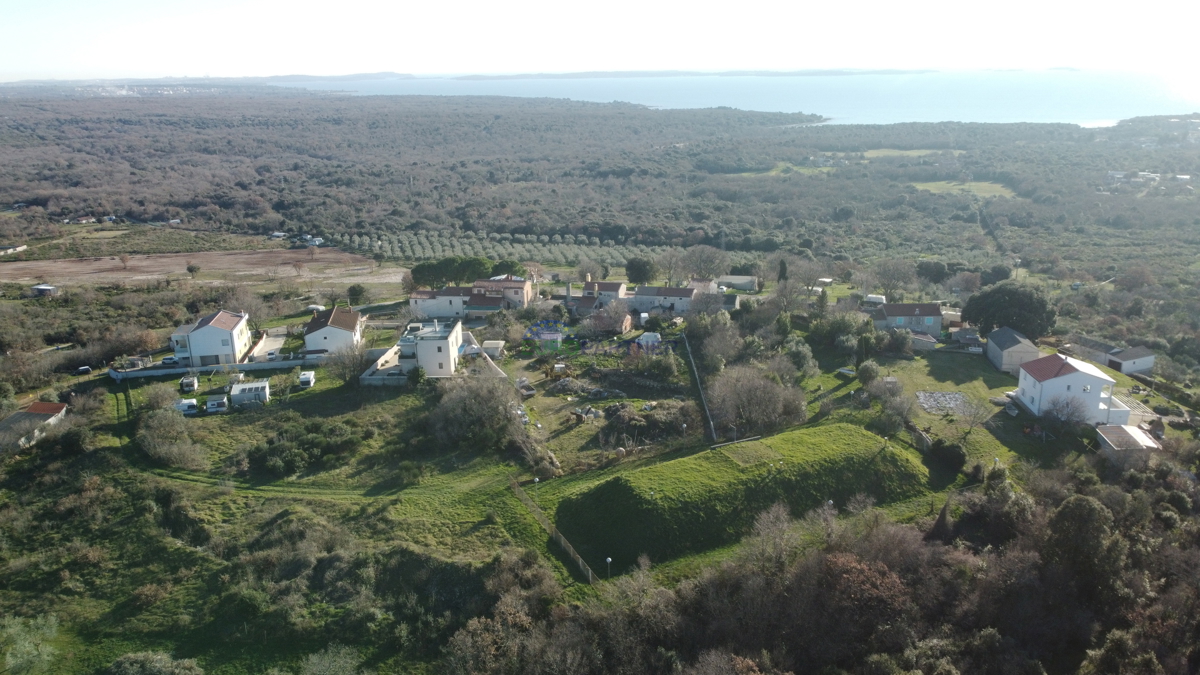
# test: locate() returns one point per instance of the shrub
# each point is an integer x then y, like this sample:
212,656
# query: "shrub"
951,455
153,663
163,434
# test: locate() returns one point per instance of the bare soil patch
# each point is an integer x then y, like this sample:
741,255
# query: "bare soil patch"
329,262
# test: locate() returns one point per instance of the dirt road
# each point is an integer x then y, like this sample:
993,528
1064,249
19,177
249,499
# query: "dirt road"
329,262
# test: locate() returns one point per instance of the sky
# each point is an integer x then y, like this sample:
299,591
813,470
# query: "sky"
81,39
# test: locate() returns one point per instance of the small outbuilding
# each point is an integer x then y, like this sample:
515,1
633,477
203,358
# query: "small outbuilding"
740,282
493,348
922,342
1007,350
258,391
1125,446
45,289
648,340
217,404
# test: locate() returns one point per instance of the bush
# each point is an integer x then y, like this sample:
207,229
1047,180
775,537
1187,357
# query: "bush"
950,455
153,663
868,372
163,434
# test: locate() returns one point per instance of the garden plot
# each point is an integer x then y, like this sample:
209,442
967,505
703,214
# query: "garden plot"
941,402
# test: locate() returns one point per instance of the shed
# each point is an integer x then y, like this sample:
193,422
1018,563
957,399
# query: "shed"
648,339
740,282
1132,360
493,348
250,392
875,299
1007,350
1124,445
45,289
922,342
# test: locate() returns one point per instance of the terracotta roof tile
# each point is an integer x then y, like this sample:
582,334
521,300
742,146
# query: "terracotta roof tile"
41,408
338,317
1049,367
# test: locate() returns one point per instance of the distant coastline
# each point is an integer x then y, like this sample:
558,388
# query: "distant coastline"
619,74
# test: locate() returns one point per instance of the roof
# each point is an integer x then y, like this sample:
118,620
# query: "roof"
604,286
507,282
488,344
1132,353
40,408
1006,338
912,309
338,317
1057,365
223,319
250,387
666,292
735,278
480,300
586,302
923,337
1124,437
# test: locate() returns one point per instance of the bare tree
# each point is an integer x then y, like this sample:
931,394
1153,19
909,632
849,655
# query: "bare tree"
589,270
299,267
244,299
124,258
743,398
312,252
406,283
347,363
807,272
972,413
160,395
789,294
893,274
1069,412
706,262
671,264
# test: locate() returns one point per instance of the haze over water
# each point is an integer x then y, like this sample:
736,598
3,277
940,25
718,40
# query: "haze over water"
1073,96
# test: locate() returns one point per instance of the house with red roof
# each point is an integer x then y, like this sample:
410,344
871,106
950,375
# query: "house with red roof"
218,338
1044,383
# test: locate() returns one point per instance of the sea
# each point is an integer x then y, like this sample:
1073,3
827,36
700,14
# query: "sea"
1088,98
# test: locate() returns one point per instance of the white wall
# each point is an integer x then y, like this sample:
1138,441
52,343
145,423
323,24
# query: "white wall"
228,346
1092,391
332,338
439,358
1142,365
441,307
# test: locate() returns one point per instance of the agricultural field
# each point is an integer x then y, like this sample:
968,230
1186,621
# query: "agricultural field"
894,152
979,188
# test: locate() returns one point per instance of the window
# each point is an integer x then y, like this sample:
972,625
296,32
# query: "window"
439,349
1087,388
440,366
899,321
224,343
929,321
1068,387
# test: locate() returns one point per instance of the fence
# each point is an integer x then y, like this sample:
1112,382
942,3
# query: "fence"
554,533
700,386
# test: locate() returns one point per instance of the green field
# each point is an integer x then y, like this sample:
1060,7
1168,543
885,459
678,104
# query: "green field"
893,152
786,168
710,499
983,189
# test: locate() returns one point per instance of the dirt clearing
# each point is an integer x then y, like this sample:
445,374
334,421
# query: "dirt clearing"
233,265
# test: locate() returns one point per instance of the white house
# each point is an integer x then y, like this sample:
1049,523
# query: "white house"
1007,350
334,329
219,338
447,303
740,282
916,317
1132,360
1045,381
662,298
605,291
435,346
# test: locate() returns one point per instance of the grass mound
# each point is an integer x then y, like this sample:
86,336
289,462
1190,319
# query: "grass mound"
711,499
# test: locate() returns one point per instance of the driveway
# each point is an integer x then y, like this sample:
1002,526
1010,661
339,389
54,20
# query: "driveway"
270,343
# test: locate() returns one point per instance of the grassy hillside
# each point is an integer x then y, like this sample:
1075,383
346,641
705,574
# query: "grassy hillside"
710,499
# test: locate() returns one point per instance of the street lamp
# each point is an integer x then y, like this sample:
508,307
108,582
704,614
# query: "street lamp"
535,485
608,561
734,432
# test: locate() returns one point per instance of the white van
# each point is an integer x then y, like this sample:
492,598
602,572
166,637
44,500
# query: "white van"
187,406
307,379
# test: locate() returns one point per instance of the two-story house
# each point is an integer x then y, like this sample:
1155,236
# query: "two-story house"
1045,382
434,346
517,292
219,338
334,329
480,299
923,317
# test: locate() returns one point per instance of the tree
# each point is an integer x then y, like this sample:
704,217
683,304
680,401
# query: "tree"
1134,278
407,284
1070,412
808,273
933,271
641,270
468,270
589,270
160,395
425,275
972,413
358,294
671,265
743,398
512,267
706,262
163,435
124,258
781,272
821,306
1023,308
193,269
893,274
476,413
348,362
995,275
246,300
153,663
868,372
1080,540
333,660
312,252
26,644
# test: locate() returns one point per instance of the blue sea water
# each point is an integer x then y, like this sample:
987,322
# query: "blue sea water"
1080,97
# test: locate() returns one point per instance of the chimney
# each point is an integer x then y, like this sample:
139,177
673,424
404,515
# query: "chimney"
588,278
568,290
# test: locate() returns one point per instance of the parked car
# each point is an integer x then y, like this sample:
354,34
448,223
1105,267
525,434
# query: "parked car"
272,355
83,370
169,361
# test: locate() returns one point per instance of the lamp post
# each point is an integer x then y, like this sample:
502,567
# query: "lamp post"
734,432
535,485
608,561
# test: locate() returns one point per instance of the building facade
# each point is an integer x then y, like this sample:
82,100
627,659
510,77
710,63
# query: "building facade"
334,329
1045,382
219,338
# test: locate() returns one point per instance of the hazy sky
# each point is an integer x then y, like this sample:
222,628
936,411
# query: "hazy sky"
150,38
